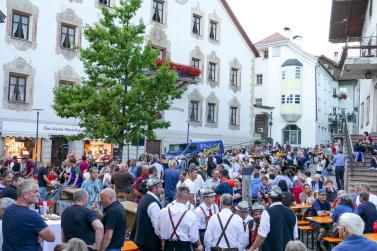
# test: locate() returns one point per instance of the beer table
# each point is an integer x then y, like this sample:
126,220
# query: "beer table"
372,237
320,219
131,208
67,193
301,206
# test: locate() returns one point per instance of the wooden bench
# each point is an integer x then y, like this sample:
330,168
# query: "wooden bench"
129,246
302,222
332,240
308,229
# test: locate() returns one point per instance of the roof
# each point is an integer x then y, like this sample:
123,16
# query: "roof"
240,28
347,19
291,62
276,37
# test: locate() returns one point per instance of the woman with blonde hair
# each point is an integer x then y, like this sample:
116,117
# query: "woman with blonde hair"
75,244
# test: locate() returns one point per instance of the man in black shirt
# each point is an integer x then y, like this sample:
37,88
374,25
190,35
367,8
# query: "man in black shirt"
43,180
113,219
80,222
367,211
10,191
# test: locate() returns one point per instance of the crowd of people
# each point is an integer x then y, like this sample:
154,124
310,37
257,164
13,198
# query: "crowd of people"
192,202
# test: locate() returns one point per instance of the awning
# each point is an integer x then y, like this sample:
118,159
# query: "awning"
26,129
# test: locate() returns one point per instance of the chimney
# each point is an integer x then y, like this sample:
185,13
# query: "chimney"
298,40
336,54
287,32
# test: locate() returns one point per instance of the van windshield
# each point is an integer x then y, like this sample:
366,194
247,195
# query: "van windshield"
176,148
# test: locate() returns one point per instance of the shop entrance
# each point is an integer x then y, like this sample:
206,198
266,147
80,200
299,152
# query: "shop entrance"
21,146
98,150
59,150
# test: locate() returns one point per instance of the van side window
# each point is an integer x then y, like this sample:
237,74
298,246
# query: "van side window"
192,148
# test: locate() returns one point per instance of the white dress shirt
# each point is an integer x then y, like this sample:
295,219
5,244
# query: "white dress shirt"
246,230
264,226
234,231
188,183
201,218
187,229
189,206
153,211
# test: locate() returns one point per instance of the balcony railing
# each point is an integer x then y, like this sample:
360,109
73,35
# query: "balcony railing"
359,47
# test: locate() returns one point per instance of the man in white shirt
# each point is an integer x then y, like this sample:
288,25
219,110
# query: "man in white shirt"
242,209
185,181
205,211
225,229
159,168
177,226
365,188
278,224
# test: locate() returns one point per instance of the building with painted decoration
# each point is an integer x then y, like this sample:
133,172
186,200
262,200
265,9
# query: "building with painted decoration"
37,43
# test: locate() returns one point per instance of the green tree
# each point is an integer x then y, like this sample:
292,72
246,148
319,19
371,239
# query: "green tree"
123,91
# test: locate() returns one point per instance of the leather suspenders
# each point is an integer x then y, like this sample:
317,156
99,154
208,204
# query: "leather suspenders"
223,229
175,227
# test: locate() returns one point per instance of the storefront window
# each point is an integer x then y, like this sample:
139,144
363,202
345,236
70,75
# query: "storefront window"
21,146
98,150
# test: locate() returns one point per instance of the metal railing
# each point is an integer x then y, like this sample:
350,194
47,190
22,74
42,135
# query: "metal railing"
359,47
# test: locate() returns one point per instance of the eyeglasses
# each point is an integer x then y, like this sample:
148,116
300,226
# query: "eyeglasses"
340,227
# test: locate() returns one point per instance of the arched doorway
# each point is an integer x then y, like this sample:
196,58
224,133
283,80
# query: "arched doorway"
292,133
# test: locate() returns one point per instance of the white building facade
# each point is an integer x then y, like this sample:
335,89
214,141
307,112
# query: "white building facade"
37,55
293,93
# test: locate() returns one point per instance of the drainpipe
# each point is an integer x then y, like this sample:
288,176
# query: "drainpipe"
316,103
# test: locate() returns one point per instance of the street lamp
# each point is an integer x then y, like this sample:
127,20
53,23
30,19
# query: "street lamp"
36,137
270,124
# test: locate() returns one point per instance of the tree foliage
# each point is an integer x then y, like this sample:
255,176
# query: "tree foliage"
119,98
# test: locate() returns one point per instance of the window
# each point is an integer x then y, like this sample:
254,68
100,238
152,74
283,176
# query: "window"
292,134
68,37
17,88
211,113
259,79
298,72
283,99
234,77
290,99
195,62
276,51
334,91
194,111
265,54
283,75
105,2
158,11
196,25
162,51
212,71
334,110
370,8
258,101
233,115
297,99
213,30
20,26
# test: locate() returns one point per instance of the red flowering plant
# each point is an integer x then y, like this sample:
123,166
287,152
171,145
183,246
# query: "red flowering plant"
183,70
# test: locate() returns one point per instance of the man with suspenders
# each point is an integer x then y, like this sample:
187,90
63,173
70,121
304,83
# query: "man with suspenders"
225,230
178,226
205,211
242,209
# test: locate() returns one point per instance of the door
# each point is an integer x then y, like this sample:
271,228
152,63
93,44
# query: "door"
59,149
153,146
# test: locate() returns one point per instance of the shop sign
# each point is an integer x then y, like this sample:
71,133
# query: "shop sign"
13,128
